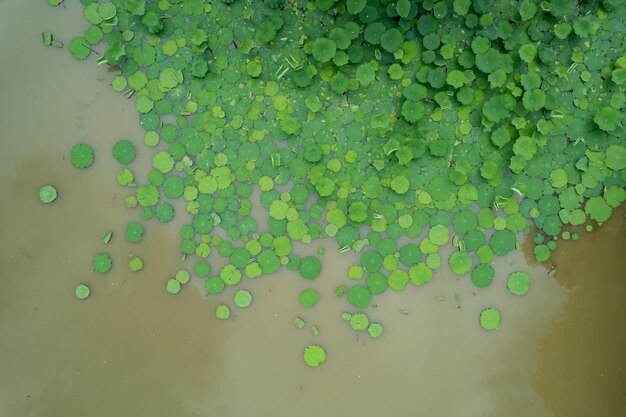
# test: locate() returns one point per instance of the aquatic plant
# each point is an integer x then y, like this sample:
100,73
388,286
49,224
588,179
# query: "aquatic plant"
458,122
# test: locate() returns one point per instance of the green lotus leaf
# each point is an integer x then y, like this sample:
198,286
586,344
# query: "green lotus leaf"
102,263
518,283
355,6
124,151
357,212
147,195
314,356
461,7
323,49
310,267
607,118
562,30
47,194
527,10
412,111
79,48
490,318
598,209
493,60
460,262
455,78
308,298
482,275
391,40
359,296
134,232
502,242
398,279
534,100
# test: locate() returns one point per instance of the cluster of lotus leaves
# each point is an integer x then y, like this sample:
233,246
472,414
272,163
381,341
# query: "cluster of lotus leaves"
392,127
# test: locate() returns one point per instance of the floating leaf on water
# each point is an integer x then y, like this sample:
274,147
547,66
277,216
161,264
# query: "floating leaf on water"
375,330
310,267
243,298
314,355
482,275
490,318
82,291
518,283
134,232
47,194
359,321
102,263
135,264
222,312
359,296
308,298
460,262
79,48
81,156
173,286
124,151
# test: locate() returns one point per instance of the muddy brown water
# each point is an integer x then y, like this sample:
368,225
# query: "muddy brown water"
133,349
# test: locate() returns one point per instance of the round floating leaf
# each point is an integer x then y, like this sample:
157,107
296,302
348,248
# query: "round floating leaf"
310,267
214,285
502,242
47,194
616,157
398,279
359,296
371,261
134,232
243,298
147,195
375,330
460,262
391,40
135,264
81,156
163,162
439,234
323,49
79,48
230,275
222,312
420,274
400,184
308,298
124,152
359,322
82,291
183,276
172,286
490,318
314,356
482,275
518,283
597,209
102,263
542,253
607,118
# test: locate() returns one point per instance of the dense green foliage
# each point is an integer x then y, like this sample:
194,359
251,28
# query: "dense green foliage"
372,121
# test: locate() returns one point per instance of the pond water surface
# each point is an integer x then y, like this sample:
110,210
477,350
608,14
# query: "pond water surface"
131,349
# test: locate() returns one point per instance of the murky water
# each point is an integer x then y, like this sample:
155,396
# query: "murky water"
133,349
